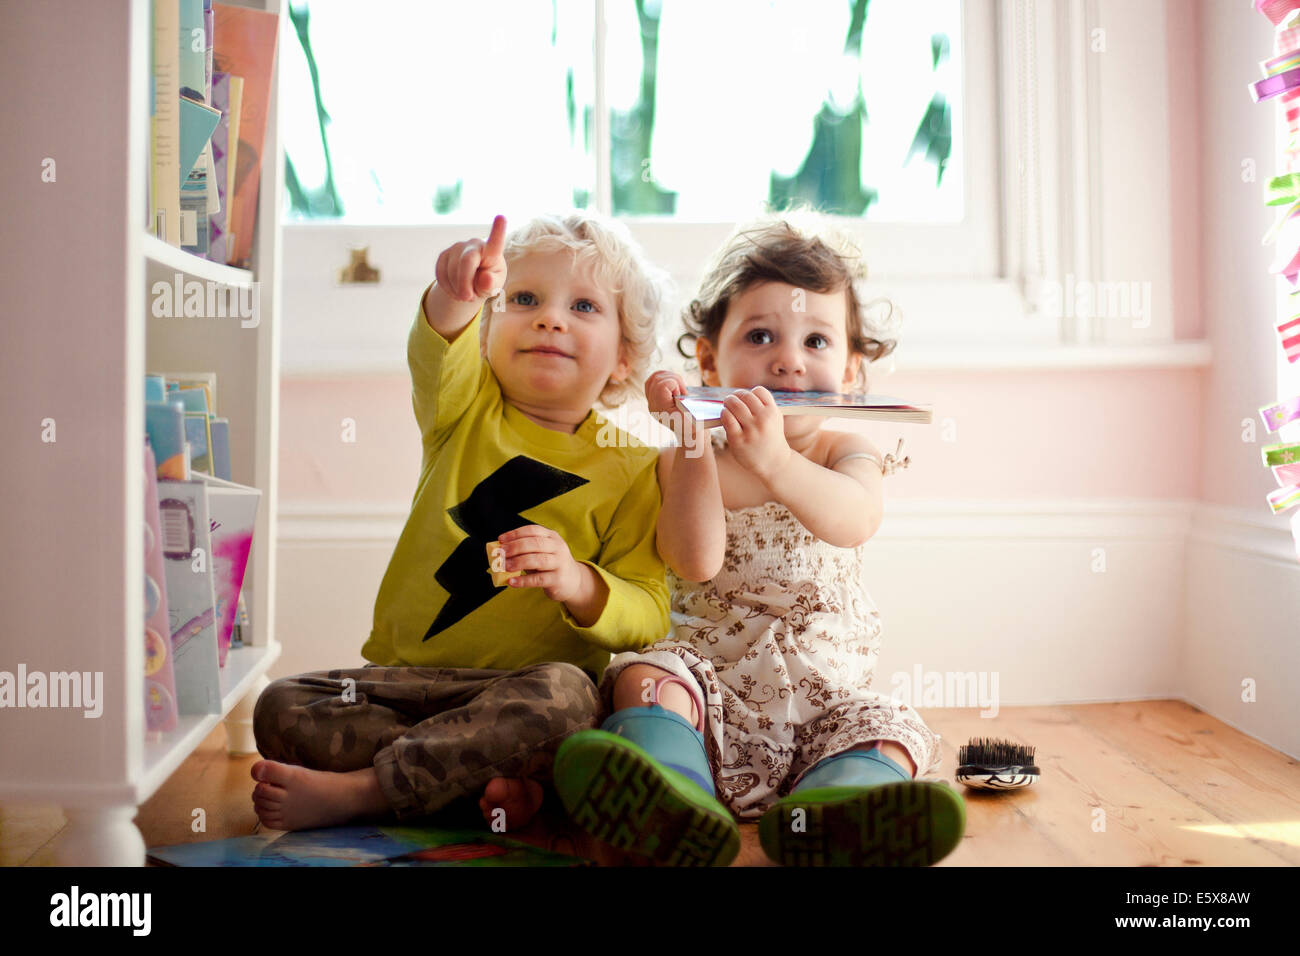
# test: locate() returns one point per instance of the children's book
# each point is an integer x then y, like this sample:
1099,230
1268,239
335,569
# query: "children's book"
704,404
159,680
165,425
205,380
364,846
184,529
219,453
245,45
221,101
165,139
232,510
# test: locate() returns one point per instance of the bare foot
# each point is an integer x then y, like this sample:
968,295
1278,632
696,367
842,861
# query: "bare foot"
288,797
519,799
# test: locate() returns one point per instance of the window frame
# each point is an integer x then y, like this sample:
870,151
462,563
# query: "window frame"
968,285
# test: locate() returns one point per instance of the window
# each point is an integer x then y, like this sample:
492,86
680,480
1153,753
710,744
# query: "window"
560,109
712,109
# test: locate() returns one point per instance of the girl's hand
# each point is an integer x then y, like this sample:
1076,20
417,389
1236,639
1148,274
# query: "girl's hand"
472,270
756,432
543,553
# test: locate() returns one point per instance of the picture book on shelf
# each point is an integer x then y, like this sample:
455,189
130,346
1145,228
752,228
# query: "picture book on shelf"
164,423
184,529
705,404
245,45
159,678
232,511
164,140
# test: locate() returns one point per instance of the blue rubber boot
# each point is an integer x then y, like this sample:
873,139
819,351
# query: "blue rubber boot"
642,783
860,808
853,768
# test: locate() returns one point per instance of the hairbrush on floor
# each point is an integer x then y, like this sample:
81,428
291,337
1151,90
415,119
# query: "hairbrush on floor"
986,764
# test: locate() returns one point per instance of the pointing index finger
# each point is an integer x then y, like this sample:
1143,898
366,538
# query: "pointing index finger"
496,240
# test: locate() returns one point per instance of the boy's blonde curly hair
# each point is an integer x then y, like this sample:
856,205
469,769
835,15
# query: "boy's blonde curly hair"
642,290
801,248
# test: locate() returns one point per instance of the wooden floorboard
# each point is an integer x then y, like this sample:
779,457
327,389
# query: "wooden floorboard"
1146,783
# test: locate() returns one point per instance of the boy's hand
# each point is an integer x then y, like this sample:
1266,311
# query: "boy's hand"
661,388
756,432
472,270
543,553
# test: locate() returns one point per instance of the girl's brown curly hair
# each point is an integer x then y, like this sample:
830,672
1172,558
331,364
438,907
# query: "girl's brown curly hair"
776,249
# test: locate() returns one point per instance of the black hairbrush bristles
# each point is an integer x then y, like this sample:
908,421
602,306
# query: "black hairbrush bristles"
989,764
995,753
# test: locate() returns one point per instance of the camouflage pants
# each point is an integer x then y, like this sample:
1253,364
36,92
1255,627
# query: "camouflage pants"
432,734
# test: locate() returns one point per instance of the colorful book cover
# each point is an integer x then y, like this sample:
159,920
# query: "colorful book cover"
183,524
219,454
155,388
232,512
198,422
196,434
220,136
164,423
365,846
204,380
159,675
208,21
246,46
196,125
704,404
232,161
189,49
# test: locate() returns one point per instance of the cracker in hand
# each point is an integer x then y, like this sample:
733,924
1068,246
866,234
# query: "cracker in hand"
497,565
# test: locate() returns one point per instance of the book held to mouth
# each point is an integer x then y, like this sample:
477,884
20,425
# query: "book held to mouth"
704,404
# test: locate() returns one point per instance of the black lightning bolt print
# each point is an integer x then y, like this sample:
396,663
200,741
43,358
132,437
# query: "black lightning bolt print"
492,509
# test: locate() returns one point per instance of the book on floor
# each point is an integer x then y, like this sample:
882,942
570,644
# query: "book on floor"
364,846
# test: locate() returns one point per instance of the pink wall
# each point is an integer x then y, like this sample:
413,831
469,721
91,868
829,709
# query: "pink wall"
1031,434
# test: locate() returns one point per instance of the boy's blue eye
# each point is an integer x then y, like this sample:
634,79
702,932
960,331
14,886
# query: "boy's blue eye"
752,337
519,297
587,302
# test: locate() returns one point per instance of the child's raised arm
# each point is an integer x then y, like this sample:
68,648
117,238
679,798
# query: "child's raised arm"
841,509
466,273
691,533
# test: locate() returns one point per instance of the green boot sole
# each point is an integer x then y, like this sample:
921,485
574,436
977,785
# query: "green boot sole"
618,793
908,823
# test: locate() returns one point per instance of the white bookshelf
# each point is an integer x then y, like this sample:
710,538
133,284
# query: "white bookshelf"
78,270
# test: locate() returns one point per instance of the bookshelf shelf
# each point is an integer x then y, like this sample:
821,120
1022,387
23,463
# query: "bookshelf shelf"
165,261
88,328
166,752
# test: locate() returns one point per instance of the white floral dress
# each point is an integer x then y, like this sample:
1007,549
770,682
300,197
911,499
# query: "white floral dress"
781,645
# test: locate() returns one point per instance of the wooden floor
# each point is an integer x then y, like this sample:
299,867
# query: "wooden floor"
1174,787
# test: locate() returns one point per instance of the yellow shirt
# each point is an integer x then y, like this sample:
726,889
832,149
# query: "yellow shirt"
487,469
